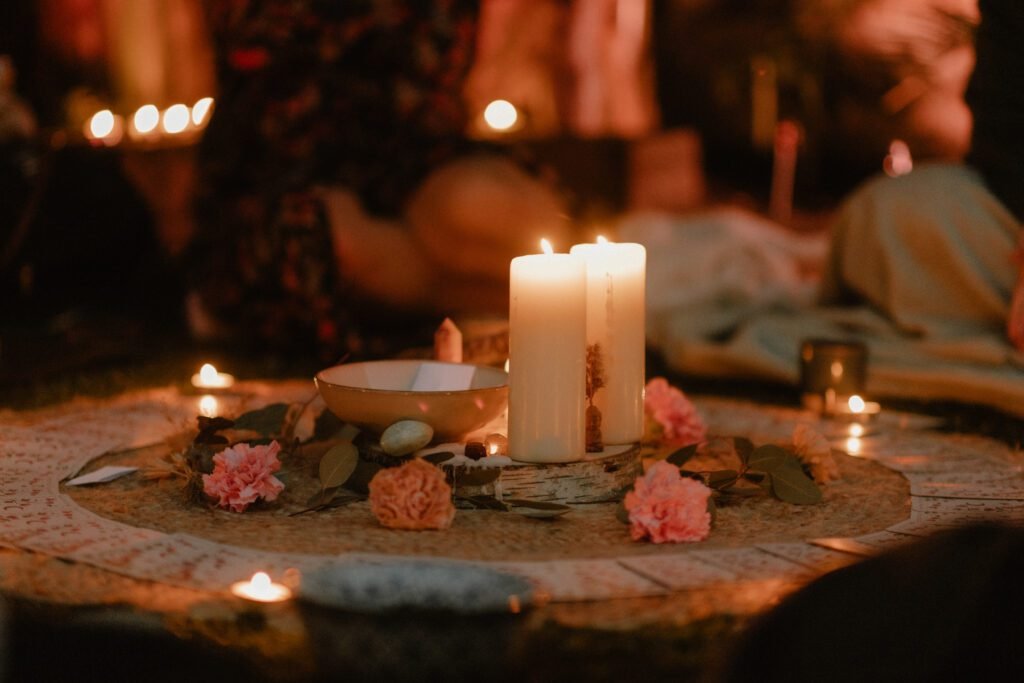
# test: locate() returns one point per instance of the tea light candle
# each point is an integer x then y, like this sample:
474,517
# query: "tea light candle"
547,357
856,408
261,589
209,378
615,324
831,371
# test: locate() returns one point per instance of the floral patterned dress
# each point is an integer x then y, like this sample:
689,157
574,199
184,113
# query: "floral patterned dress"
361,94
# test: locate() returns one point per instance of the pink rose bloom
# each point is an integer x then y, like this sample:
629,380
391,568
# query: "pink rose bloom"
668,507
671,415
243,474
412,496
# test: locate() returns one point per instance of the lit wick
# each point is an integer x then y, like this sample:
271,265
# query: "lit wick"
261,589
209,378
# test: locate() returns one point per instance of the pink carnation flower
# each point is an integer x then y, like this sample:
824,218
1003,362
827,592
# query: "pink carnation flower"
671,416
668,507
242,474
412,496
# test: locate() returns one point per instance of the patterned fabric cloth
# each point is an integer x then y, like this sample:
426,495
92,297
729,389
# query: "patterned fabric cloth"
362,94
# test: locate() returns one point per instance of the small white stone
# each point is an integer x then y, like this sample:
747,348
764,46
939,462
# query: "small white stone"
406,436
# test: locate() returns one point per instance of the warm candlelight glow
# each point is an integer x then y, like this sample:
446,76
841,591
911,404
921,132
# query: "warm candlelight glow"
856,404
209,378
146,119
101,124
104,126
176,118
501,115
836,369
200,110
546,246
261,589
856,430
853,445
208,406
601,239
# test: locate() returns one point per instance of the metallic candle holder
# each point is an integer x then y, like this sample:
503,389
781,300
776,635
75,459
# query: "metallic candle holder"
830,372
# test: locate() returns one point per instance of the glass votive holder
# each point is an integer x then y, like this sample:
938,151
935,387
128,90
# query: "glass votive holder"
830,372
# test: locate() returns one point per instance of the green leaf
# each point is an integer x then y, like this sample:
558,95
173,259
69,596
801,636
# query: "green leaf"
321,497
791,485
477,476
536,504
439,457
483,503
722,478
680,456
769,458
267,421
743,447
338,464
342,500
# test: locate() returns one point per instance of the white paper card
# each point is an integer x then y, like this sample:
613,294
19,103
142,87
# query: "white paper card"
443,377
102,475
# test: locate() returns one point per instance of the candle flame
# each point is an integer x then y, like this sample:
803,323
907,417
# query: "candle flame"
856,430
146,118
101,124
493,449
208,373
546,246
176,118
856,404
260,581
853,446
200,110
601,239
500,115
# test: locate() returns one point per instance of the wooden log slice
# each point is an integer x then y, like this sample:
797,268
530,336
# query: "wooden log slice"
599,477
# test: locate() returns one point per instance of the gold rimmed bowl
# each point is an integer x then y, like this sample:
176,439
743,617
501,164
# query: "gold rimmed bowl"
376,394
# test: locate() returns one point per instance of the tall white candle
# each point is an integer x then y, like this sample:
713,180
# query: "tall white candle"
547,358
615,322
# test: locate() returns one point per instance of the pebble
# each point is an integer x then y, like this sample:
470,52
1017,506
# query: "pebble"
406,436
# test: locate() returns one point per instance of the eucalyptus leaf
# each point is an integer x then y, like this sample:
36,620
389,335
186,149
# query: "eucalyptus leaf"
321,497
477,476
744,447
343,499
267,421
722,478
438,457
680,456
326,426
769,458
791,485
483,503
338,464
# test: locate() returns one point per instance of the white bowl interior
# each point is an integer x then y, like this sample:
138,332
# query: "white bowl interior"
400,375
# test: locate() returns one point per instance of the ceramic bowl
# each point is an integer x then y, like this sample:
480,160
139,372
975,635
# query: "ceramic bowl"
376,394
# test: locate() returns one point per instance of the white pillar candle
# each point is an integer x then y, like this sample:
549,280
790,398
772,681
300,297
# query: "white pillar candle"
615,321
547,358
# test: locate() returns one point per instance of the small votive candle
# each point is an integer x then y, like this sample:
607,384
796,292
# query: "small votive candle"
830,372
209,378
261,589
857,409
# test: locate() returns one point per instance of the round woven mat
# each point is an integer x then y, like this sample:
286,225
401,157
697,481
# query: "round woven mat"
867,498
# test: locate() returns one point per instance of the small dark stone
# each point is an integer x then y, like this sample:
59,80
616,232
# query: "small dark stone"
475,450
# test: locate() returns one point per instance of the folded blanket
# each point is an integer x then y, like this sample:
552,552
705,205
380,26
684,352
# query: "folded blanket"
920,270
